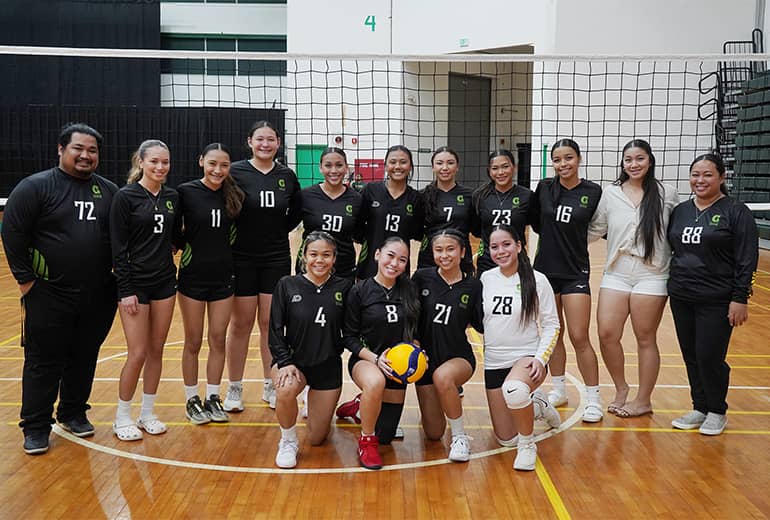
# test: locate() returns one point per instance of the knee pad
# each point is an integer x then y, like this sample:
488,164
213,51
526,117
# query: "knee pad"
510,443
387,422
516,394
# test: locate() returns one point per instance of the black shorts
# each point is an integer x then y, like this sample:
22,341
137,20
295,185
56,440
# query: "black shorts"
253,278
327,375
389,383
205,293
577,285
427,378
495,377
155,292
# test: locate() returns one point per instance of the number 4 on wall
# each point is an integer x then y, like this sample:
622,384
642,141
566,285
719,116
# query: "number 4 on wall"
369,22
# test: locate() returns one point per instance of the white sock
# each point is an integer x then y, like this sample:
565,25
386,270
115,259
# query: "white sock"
190,391
211,390
148,403
236,384
289,434
593,394
123,415
559,383
268,382
526,439
456,425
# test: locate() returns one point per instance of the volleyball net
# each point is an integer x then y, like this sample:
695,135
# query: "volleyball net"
682,105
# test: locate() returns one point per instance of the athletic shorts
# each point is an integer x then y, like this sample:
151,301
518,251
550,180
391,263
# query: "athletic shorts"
389,383
327,375
570,285
495,377
629,274
253,278
205,293
155,292
427,379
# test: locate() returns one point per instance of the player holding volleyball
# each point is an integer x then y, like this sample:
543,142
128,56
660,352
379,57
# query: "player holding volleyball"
561,212
142,224
261,255
390,208
450,301
207,207
334,208
447,204
306,319
500,201
521,325
381,312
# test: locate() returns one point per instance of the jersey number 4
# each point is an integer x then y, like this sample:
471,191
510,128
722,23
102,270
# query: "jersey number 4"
320,317
503,305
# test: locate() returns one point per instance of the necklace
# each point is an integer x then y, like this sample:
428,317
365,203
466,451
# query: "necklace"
500,199
455,279
388,291
318,287
153,200
699,213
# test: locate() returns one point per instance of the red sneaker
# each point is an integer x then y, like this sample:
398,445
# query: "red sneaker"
350,409
368,455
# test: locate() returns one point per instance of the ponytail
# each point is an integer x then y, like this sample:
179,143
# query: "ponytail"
135,173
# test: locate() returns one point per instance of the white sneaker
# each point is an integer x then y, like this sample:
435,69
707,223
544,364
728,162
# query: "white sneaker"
287,454
689,421
234,399
268,394
304,410
460,449
543,410
399,433
714,424
526,457
593,413
557,397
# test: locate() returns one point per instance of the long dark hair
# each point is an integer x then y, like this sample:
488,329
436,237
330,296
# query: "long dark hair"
651,208
555,187
530,302
716,160
233,194
430,193
484,191
411,299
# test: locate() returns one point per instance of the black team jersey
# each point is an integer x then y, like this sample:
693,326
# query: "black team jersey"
270,211
340,217
562,250
57,228
306,321
454,209
375,317
384,217
207,258
494,208
142,231
445,312
715,252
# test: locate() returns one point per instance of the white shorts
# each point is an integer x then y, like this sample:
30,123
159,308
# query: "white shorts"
631,275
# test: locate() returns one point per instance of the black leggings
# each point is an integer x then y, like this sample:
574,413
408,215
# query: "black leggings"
704,333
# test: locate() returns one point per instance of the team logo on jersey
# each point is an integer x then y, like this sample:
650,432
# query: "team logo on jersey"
518,287
96,191
515,202
409,209
338,297
460,200
296,298
281,184
349,210
170,206
375,204
464,299
584,201
425,292
715,220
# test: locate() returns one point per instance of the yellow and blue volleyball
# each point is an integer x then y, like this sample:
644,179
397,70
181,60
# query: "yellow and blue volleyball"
408,362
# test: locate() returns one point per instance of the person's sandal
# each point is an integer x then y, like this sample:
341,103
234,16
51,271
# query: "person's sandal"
127,432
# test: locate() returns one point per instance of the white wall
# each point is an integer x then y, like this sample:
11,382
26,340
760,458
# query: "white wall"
193,18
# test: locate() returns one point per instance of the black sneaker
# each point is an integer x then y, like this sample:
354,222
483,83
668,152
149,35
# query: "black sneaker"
79,426
36,442
195,412
213,406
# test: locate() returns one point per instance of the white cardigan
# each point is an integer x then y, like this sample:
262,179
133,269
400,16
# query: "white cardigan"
618,218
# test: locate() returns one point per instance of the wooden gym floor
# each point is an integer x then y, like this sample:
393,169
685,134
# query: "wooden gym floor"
629,468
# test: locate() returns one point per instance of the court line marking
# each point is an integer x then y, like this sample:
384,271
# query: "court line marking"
569,423
550,491
4,343
663,430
